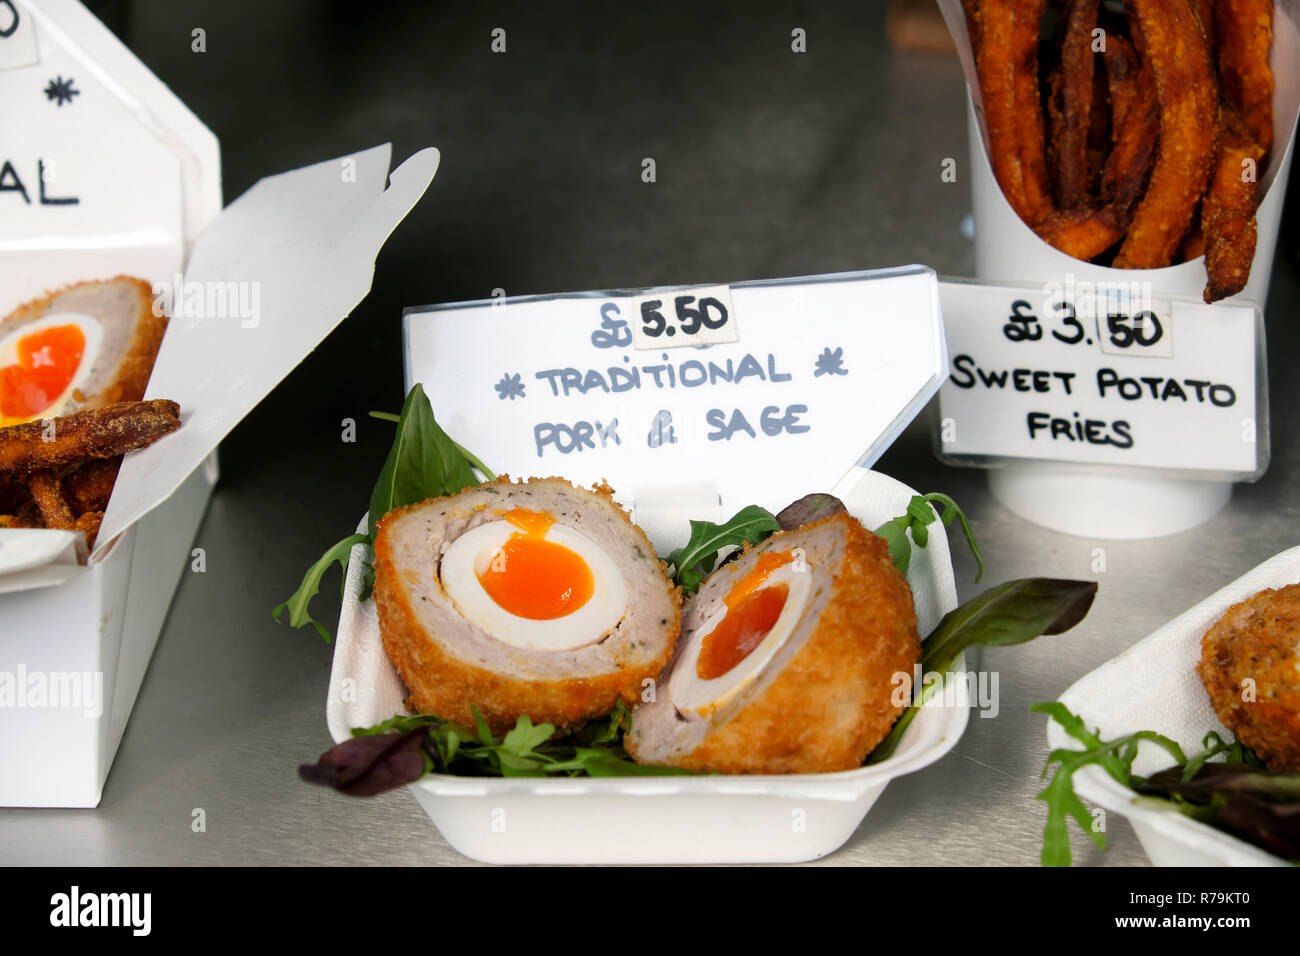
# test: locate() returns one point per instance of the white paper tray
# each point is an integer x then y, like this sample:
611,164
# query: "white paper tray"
720,819
1154,686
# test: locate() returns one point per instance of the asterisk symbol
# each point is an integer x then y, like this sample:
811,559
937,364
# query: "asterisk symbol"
61,91
831,363
510,386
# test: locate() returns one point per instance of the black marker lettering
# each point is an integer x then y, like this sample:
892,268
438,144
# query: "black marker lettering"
9,182
1226,395
960,374
51,200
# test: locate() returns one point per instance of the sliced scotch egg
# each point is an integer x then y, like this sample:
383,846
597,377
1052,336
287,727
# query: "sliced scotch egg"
741,635
43,363
86,346
790,660
514,598
533,584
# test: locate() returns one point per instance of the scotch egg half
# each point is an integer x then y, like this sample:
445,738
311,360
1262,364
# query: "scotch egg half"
44,363
534,584
734,644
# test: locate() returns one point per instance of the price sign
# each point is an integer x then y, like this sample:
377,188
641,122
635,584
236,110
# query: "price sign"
1090,374
826,372
674,318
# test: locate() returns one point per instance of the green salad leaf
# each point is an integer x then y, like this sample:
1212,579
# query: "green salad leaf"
1114,756
310,587
363,766
693,561
1010,613
919,515
423,463
1236,795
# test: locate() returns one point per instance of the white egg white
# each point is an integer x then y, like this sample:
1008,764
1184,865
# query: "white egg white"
699,699
90,329
472,553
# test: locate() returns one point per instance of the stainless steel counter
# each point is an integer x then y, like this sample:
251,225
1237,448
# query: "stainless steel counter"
769,163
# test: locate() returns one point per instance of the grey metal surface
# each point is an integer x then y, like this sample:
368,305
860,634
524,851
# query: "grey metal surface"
769,164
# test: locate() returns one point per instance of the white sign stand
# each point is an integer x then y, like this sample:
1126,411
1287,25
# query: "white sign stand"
690,402
1104,411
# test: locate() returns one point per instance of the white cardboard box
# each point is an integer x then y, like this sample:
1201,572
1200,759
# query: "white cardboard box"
75,640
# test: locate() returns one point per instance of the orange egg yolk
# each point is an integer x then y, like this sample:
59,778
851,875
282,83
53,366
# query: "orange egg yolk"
752,611
534,578
47,362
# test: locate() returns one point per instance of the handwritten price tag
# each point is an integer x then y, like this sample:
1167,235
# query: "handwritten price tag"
664,320
1114,324
1090,374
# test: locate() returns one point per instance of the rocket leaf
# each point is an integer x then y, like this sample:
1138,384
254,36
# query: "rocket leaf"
310,587
916,519
697,558
1237,795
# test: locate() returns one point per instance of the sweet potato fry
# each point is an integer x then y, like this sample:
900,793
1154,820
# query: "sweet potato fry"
89,486
96,433
1082,231
13,521
1244,30
1007,63
1135,128
1189,118
1098,128
89,523
48,495
1228,211
1070,106
1204,11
